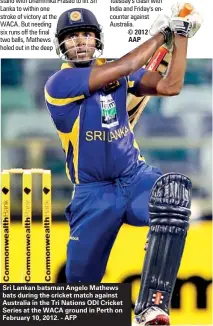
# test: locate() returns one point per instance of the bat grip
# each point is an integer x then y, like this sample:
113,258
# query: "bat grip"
186,10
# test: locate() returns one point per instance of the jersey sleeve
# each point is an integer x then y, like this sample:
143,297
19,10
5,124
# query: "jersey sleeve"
63,94
67,86
134,80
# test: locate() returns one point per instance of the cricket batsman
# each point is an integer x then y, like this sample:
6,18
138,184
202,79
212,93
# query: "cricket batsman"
112,182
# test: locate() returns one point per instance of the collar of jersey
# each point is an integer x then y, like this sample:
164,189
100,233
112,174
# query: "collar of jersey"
98,62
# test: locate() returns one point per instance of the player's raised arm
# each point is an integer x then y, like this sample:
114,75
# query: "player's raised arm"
152,83
173,83
128,64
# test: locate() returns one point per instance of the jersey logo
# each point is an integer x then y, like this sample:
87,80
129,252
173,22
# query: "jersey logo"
108,112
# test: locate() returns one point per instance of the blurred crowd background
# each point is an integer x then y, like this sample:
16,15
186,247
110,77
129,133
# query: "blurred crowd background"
174,133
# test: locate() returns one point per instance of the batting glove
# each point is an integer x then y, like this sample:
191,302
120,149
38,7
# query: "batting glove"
162,25
185,26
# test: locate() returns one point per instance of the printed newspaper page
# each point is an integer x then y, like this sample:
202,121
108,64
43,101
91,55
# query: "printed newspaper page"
106,156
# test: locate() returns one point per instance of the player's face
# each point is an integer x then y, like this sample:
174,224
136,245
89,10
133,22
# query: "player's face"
80,45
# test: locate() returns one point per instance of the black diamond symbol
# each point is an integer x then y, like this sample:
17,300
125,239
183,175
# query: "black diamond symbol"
46,190
27,190
5,191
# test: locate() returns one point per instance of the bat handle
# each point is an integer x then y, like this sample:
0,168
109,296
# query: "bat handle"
186,10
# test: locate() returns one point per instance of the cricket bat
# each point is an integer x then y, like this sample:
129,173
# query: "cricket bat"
158,62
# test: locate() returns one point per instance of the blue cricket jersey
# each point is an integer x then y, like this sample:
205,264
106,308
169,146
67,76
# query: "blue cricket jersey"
93,127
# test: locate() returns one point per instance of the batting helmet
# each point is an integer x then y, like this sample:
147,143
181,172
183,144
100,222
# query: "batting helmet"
77,19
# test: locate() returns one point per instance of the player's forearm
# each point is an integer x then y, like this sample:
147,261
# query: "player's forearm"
173,83
137,58
129,63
